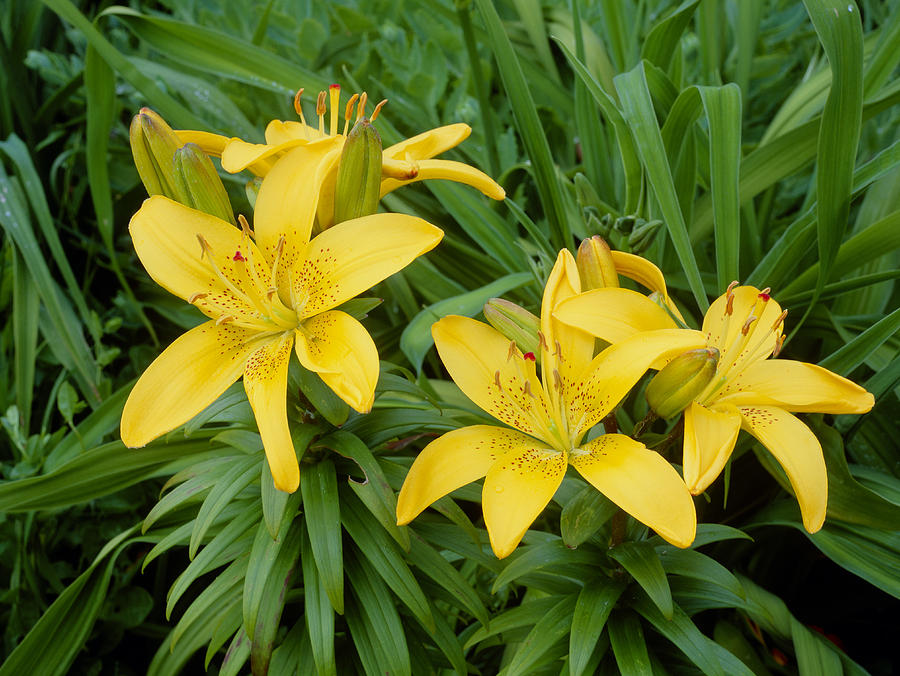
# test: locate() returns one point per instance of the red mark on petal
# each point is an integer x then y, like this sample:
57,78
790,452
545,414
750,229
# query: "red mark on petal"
529,355
238,256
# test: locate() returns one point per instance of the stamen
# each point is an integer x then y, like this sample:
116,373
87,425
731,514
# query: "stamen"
543,341
377,110
731,286
334,93
224,319
348,112
297,107
278,249
528,390
778,345
558,352
557,380
245,226
497,379
745,329
780,320
512,350
361,108
194,297
320,111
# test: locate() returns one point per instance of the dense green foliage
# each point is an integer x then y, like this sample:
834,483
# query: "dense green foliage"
723,140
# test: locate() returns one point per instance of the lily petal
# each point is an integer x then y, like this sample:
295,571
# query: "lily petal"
796,386
516,490
450,171
259,158
186,378
709,438
724,329
613,372
613,314
798,451
165,236
265,381
430,143
278,132
453,460
567,350
641,482
211,144
353,256
491,371
341,351
640,270
287,200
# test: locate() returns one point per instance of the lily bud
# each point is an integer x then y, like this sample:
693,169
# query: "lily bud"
197,183
358,186
595,264
681,380
153,144
642,235
516,323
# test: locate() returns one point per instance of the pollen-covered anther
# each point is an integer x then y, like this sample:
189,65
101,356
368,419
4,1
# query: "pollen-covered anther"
224,319
512,350
297,107
320,104
270,293
361,107
543,341
528,390
348,112
497,379
558,351
381,104
557,379
745,329
779,344
245,226
780,320
194,297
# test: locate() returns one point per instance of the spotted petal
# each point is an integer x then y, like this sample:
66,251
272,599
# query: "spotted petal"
353,256
491,371
798,451
265,380
286,204
613,372
341,351
517,488
796,386
186,378
725,329
613,314
165,236
641,482
453,460
450,171
709,438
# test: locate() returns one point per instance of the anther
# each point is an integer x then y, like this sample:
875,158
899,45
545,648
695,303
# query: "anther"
497,379
512,350
557,380
778,345
361,108
348,112
245,226
528,390
320,111
194,297
297,107
270,292
543,341
780,320
558,352
377,110
224,319
204,247
745,329
731,286
729,305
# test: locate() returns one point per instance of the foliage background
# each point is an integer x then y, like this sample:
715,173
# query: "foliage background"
750,173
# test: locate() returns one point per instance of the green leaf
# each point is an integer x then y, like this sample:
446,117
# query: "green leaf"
638,110
384,556
529,125
416,339
319,613
693,564
546,633
241,473
321,505
57,637
628,644
334,409
642,563
525,615
663,38
592,609
265,556
585,515
812,656
222,592
844,360
553,554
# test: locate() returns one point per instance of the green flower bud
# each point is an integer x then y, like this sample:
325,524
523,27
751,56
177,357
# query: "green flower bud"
197,183
358,187
153,144
595,264
642,235
516,323
681,380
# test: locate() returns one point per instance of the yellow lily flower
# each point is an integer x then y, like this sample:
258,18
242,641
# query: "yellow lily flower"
748,390
548,420
405,162
265,293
